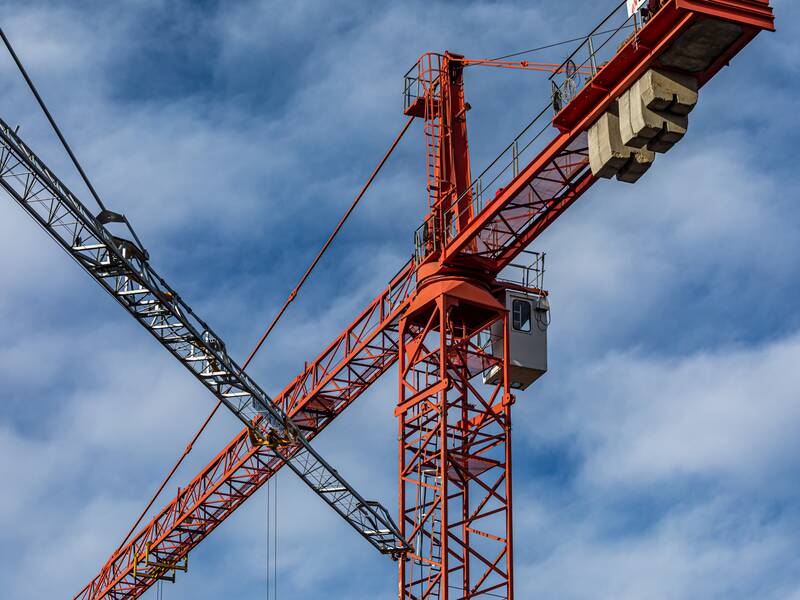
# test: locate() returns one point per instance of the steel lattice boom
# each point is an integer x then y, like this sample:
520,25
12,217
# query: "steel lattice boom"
123,269
515,199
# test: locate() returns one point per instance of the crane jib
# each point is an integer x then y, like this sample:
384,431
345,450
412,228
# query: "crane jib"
122,269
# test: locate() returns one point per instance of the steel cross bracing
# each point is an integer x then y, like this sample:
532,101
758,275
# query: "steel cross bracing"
238,471
122,268
455,461
512,200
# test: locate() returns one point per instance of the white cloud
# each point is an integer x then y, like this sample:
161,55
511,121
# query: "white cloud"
719,549
729,413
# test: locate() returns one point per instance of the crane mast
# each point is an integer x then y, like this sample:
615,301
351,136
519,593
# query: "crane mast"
442,319
454,455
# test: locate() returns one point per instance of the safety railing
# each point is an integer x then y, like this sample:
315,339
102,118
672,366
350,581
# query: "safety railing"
412,87
528,272
599,46
484,188
568,79
417,80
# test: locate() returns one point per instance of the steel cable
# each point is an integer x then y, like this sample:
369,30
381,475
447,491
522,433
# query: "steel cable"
52,121
548,46
260,343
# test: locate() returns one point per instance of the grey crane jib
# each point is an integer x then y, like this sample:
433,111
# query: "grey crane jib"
123,269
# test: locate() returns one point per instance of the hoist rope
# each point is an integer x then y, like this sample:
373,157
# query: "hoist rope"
50,119
260,343
275,540
272,539
554,45
269,513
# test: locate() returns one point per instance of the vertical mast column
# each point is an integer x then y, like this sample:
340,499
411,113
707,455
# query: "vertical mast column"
454,433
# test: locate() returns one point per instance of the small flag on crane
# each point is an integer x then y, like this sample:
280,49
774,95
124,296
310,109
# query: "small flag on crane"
634,5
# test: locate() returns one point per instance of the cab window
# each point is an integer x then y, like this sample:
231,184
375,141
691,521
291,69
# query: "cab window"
521,315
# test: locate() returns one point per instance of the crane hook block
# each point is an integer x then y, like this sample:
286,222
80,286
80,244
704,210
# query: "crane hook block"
152,566
273,438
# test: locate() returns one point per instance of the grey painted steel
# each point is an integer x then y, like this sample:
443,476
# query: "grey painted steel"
527,349
121,267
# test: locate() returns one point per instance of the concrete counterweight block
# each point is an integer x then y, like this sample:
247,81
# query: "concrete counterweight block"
636,167
662,129
629,137
607,154
609,157
668,92
654,111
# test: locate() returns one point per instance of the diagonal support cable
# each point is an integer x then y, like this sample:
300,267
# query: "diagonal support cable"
272,325
124,271
51,120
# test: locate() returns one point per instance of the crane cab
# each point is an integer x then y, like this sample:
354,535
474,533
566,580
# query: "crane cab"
529,317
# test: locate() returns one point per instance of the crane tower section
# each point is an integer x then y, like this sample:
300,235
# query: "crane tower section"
454,433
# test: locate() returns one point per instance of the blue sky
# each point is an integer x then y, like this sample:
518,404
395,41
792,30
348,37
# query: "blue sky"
657,459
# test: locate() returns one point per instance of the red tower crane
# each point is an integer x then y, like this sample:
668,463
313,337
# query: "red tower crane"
443,319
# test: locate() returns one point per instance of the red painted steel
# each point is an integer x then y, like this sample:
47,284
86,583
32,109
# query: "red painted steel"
355,360
455,440
756,13
494,232
524,65
454,476
488,237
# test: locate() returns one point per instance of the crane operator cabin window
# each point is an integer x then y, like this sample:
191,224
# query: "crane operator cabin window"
521,315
